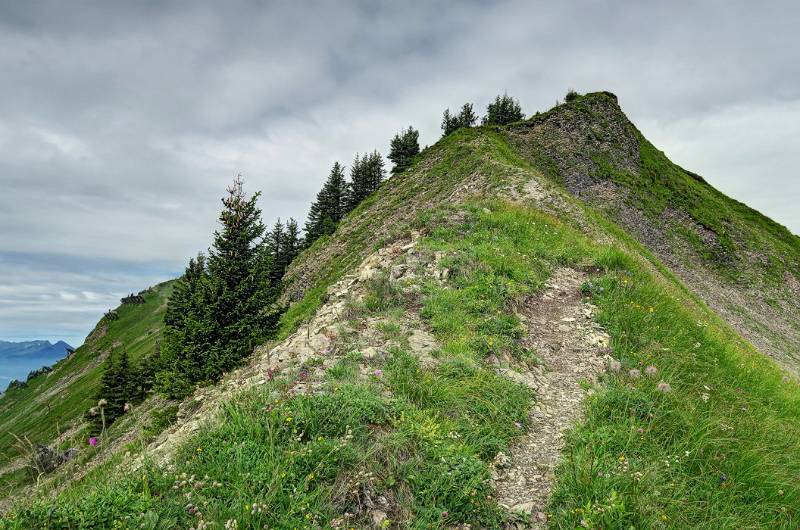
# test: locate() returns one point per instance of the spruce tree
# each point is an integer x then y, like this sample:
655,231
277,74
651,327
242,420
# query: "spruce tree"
330,206
222,307
465,118
275,242
357,187
503,110
240,291
183,344
449,123
403,148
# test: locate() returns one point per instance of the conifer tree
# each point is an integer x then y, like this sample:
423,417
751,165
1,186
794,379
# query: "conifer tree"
503,110
465,118
449,123
329,208
183,343
366,174
403,148
275,242
115,389
222,307
240,291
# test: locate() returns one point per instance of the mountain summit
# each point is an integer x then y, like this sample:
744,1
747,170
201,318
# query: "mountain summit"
539,323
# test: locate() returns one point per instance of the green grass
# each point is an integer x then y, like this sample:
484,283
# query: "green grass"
39,412
719,449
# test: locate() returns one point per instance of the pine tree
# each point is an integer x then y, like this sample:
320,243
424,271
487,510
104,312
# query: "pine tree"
329,207
275,242
360,183
239,290
115,389
502,111
186,316
222,307
403,148
465,118
293,243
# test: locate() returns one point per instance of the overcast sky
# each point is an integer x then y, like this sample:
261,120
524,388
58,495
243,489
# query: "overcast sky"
121,123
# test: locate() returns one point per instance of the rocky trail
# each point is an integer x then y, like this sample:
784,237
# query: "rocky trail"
573,350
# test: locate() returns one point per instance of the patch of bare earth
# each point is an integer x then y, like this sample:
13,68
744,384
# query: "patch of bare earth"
573,350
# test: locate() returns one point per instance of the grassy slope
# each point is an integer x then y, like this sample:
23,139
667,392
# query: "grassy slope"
719,449
70,388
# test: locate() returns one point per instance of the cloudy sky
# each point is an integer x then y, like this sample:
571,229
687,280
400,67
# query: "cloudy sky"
122,122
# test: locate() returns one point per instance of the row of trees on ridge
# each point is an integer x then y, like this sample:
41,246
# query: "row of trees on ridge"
225,303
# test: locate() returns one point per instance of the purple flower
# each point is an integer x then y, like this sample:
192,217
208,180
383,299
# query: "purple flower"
93,441
378,372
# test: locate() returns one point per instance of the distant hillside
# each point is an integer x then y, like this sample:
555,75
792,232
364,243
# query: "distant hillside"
52,406
17,359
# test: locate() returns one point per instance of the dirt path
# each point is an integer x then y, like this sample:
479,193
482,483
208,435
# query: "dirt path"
572,348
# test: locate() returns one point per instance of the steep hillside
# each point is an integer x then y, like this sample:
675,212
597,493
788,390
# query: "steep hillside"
503,336
746,266
51,407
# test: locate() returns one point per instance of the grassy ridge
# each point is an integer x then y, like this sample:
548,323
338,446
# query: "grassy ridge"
51,404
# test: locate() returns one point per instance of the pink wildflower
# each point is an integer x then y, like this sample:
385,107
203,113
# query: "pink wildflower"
378,372
651,370
93,441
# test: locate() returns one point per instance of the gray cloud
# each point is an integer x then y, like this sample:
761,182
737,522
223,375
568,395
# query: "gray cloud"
121,122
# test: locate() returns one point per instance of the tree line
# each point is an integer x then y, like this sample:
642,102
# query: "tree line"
226,302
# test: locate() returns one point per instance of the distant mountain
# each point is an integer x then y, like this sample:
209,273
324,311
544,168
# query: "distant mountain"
19,358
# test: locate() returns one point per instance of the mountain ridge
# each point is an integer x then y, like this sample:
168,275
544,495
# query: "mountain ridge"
415,380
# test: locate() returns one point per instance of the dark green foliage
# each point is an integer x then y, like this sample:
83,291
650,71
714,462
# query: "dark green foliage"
403,148
282,244
366,174
571,95
16,384
39,371
330,206
503,110
116,388
221,309
465,118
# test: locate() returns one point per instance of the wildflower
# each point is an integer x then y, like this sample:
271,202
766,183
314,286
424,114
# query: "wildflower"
705,397
640,430
102,403
651,370
518,425
634,373
127,407
378,372
445,514
664,387
231,524
93,441
94,411
615,366
199,450
191,509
